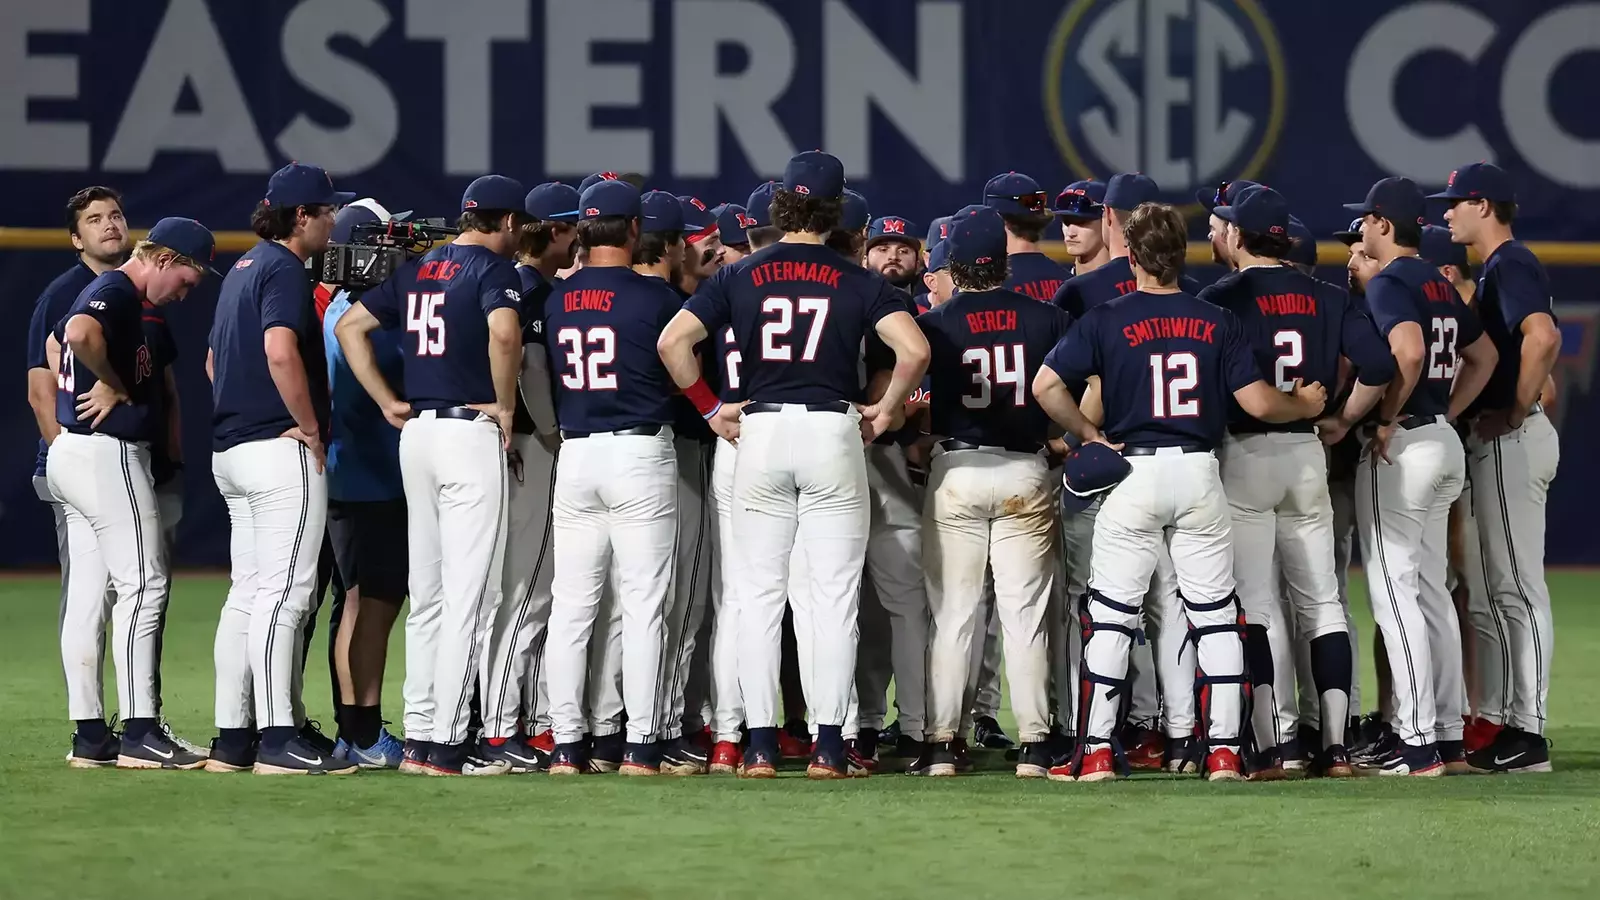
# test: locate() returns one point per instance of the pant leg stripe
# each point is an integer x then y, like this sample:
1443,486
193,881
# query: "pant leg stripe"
527,600
288,587
1516,578
667,675
1394,603
133,622
1495,617
471,672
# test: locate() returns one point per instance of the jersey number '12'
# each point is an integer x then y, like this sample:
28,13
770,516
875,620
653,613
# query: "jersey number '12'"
774,344
589,354
991,370
422,317
1167,398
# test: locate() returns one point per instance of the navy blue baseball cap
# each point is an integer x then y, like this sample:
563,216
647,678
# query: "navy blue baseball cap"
731,223
1127,190
814,174
1013,193
1081,201
854,213
609,198
1478,181
1438,249
976,238
1396,198
1223,194
1259,210
494,192
758,209
938,231
552,202
698,221
302,185
361,212
592,180
659,212
893,228
1351,235
939,256
188,238
1302,244
1089,471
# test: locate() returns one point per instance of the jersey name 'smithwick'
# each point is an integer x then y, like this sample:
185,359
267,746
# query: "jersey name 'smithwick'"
1513,286
1168,366
1035,275
443,303
1298,327
113,301
267,288
1082,293
799,313
985,347
1412,290
601,327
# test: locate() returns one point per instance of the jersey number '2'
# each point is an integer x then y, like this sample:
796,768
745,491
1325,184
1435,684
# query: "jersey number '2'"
589,354
991,369
422,317
782,310
1167,398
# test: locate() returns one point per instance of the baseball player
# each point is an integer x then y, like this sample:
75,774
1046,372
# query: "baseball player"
1225,193
461,308
1079,207
731,223
990,499
1276,476
1411,472
702,245
617,483
1302,248
1027,213
894,251
1082,292
108,407
1514,453
270,415
849,239
1167,363
799,313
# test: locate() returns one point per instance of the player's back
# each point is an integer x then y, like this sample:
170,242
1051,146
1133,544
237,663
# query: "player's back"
985,347
445,300
601,327
1410,289
1512,286
1035,275
111,300
1081,293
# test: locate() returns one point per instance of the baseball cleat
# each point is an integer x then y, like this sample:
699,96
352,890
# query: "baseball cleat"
1099,764
1416,761
726,758
890,736
1379,751
1223,764
1147,748
414,756
1454,756
1294,758
1334,762
941,760
311,733
519,757
919,764
1268,766
987,733
544,740
1033,761
156,751
447,760
299,757
1372,731
641,760
683,756
1308,741
907,747
568,759
702,739
1182,756
605,756
1479,733
827,765
88,754
856,765
794,741
1513,752
964,763
865,746
759,764
226,758
166,729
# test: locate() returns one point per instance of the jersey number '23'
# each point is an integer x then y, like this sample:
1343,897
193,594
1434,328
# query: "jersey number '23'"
590,353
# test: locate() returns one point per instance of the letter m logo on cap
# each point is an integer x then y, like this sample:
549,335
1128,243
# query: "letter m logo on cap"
591,211
894,226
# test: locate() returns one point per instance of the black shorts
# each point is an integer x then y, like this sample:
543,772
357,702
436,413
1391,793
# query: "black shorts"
369,546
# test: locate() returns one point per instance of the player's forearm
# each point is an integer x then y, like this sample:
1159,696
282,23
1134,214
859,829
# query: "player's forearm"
42,399
1057,403
676,348
289,377
535,387
88,345
1539,352
1363,397
1472,374
505,361
1093,405
174,419
906,376
1407,372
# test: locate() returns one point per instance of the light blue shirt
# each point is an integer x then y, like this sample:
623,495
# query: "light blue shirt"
363,448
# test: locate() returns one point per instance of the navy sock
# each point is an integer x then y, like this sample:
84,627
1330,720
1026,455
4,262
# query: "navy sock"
274,739
830,739
93,729
239,738
764,740
136,729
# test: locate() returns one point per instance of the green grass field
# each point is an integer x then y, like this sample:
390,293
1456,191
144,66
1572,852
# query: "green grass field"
107,833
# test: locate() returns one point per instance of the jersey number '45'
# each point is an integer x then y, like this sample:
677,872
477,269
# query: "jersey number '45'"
589,355
990,369
423,317
775,345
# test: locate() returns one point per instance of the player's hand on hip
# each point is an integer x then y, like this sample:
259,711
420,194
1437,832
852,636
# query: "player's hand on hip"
875,420
312,442
397,413
1332,430
98,402
1493,424
502,416
1378,444
1312,396
726,423
1099,437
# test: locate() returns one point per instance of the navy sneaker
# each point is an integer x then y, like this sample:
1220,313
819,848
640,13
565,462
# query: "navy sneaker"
88,754
311,733
1334,762
986,732
569,759
890,735
459,759
1454,754
1033,761
826,765
641,759
1420,762
606,754
227,757
414,756
941,761
1512,752
519,756
1183,755
1294,755
759,763
682,756
300,757
156,751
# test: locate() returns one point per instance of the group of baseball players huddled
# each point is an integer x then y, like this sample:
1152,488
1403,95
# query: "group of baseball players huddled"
676,489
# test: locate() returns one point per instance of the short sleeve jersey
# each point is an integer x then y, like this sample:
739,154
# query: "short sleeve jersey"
1513,286
47,313
1035,275
113,301
1412,290
601,327
1168,366
1082,293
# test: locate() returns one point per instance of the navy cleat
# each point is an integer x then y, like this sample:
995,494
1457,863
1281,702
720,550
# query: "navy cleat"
605,756
386,753
520,757
1419,762
941,760
1334,762
87,754
1183,755
156,751
569,759
826,765
987,733
300,757
759,763
641,760
414,756
1512,752
919,763
460,759
1454,755
1033,761
311,733
683,757
227,757
890,736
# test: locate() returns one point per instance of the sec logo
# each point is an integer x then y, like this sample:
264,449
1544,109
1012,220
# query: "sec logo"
1189,92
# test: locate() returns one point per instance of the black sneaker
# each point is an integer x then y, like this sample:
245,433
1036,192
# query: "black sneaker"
311,733
683,756
641,759
940,760
156,751
605,755
1033,761
462,759
890,735
227,757
519,756
987,733
1454,754
964,763
907,747
1183,755
1513,751
94,754
1378,752
1414,761
1371,730
299,757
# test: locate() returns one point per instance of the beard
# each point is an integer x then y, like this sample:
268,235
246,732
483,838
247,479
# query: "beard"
904,279
1357,289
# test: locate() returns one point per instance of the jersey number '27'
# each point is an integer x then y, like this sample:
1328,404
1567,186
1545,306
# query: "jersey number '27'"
775,345
589,354
1172,376
422,317
992,369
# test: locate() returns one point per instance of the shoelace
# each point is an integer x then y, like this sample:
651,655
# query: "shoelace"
165,728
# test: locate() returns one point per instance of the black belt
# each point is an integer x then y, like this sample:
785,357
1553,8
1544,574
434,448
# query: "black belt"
1265,428
635,431
954,444
1411,422
1152,451
832,406
464,413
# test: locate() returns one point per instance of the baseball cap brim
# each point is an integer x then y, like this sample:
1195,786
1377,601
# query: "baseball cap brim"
1360,209
1448,194
1347,238
1225,213
1090,213
909,240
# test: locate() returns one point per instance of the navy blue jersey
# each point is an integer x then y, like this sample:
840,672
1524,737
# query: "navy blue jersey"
986,346
687,421
1082,293
1168,365
443,302
1512,287
1298,327
725,349
163,354
1035,275
799,314
267,288
47,312
601,327
114,302
535,291
1410,289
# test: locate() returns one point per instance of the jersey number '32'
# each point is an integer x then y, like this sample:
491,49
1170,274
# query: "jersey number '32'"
775,345
589,355
992,369
1172,376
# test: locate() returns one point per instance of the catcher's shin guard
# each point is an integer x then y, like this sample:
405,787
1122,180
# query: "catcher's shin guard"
1109,629
1217,629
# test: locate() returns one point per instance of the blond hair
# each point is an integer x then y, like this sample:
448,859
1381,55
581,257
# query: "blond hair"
150,251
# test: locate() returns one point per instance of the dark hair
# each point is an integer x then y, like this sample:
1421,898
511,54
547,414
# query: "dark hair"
763,235
652,246
487,221
1407,234
792,212
981,276
1028,226
81,200
847,243
1269,246
1158,240
276,223
1505,211
536,238
604,231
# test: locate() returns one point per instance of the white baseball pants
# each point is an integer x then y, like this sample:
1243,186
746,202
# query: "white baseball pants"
277,509
983,680
727,703
691,592
895,570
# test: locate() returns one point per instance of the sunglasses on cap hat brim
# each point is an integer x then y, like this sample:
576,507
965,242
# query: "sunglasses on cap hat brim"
1037,201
